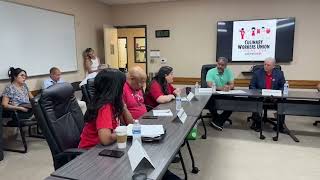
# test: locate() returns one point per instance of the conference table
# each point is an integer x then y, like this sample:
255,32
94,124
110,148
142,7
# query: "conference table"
298,103
92,166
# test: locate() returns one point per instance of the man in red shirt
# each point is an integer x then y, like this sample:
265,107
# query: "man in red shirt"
267,77
133,92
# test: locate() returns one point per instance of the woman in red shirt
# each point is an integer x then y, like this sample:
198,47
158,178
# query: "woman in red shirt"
160,89
106,110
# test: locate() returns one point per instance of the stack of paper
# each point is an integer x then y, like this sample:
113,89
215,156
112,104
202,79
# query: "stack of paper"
162,112
148,130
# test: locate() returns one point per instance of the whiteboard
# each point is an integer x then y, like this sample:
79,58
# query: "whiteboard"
35,40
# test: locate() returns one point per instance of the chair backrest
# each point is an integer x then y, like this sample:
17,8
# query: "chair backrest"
88,91
1,130
259,66
75,85
204,70
59,116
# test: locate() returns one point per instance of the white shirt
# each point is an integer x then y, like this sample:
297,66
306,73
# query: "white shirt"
89,76
94,64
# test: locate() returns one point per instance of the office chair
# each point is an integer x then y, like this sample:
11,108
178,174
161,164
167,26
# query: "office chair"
88,91
61,121
268,105
17,122
204,70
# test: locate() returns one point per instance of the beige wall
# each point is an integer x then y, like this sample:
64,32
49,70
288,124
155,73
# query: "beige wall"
192,26
111,46
90,17
130,33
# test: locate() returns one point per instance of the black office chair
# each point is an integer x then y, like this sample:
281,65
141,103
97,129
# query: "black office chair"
61,121
204,70
17,122
268,105
88,91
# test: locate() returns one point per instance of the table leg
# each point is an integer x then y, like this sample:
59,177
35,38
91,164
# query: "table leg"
195,170
183,166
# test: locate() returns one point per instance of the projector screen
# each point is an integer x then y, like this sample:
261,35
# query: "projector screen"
256,40
36,39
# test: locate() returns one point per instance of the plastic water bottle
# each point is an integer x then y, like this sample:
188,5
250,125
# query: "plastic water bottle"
178,102
196,88
286,88
214,88
136,131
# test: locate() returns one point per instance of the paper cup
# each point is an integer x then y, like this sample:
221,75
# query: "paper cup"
121,132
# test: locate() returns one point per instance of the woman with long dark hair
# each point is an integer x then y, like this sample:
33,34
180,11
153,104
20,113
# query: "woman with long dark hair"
16,95
106,110
160,90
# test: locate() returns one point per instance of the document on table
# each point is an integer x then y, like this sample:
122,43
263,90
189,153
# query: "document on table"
232,92
147,130
162,112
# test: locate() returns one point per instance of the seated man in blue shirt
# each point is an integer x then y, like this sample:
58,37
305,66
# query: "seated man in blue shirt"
55,74
268,77
55,78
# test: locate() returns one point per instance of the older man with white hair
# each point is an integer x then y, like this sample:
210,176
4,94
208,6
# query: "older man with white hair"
268,77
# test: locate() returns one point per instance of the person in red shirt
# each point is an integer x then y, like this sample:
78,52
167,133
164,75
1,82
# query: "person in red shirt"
133,92
160,89
267,77
106,110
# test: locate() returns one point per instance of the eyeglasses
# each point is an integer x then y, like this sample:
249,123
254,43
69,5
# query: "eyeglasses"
23,75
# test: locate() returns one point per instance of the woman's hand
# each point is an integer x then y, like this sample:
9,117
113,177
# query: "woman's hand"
177,91
171,96
23,109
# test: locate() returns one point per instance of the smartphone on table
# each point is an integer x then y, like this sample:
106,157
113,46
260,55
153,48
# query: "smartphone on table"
111,153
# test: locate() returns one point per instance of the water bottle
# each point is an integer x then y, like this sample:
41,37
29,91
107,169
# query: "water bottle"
178,102
136,131
286,88
196,88
214,88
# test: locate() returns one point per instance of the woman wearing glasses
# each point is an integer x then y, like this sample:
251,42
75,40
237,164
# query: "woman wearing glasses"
16,95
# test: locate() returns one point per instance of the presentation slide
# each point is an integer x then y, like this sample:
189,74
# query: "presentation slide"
254,40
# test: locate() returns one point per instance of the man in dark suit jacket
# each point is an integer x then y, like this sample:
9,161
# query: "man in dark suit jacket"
268,77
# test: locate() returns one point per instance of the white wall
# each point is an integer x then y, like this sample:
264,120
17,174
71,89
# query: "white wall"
192,25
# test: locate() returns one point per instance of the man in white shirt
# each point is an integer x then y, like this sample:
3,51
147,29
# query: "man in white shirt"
55,74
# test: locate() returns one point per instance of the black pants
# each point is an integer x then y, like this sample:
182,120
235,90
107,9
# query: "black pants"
256,124
217,118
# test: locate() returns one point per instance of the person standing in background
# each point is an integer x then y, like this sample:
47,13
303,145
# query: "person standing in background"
91,61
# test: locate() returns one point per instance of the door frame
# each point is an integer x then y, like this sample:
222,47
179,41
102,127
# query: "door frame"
145,34
126,49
